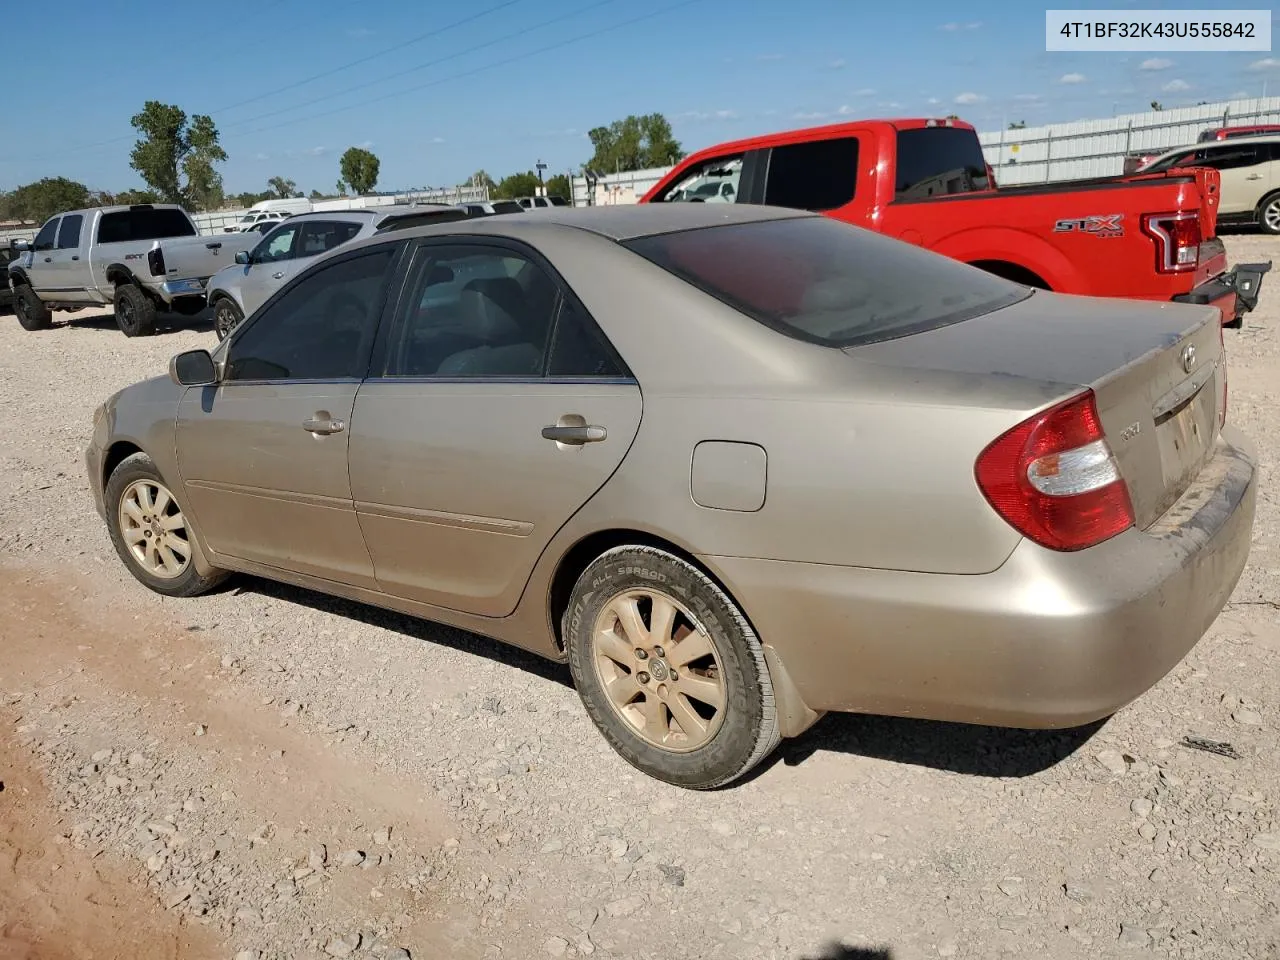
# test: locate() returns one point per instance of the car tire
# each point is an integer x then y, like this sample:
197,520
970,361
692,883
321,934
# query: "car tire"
149,528
698,718
135,311
226,316
31,310
1269,215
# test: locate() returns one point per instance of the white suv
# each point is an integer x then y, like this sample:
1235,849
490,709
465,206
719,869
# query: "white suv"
1250,171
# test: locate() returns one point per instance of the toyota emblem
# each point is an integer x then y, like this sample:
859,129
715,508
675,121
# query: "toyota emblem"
1188,358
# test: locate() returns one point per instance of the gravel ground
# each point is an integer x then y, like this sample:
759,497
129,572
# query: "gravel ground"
296,776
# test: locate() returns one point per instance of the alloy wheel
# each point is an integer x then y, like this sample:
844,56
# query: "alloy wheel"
154,529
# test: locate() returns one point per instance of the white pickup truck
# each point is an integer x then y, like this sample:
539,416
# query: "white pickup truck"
144,260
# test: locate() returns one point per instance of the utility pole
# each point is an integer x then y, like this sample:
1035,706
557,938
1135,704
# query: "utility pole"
540,166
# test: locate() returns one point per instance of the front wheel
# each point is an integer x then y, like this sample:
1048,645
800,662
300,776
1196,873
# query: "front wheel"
226,317
151,533
31,310
669,669
1269,215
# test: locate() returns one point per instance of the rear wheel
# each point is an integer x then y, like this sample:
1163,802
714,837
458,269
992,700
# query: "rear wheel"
669,669
31,311
135,313
151,533
1269,215
226,316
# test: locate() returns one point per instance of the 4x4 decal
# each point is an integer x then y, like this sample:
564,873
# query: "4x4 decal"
1098,225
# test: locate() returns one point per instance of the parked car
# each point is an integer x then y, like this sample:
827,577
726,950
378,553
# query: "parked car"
1249,169
257,221
8,253
867,477
926,181
1231,133
144,260
240,288
493,207
542,203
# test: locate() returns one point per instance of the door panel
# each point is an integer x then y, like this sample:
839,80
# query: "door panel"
457,490
69,271
265,488
271,266
42,273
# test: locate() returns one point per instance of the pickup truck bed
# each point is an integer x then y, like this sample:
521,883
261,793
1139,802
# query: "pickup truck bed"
926,182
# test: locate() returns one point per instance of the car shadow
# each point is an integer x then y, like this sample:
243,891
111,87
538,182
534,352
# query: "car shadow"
427,631
840,951
166,323
954,747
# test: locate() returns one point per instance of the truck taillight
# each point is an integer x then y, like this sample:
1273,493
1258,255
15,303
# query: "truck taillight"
1054,479
155,261
1177,238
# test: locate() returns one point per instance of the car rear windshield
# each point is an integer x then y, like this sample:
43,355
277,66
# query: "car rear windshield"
507,206
939,161
126,225
824,281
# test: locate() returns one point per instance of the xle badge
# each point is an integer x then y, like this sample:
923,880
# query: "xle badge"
1099,225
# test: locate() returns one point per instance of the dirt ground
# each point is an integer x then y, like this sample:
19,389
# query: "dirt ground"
269,773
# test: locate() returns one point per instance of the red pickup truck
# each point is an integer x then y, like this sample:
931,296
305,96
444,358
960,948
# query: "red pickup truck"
924,181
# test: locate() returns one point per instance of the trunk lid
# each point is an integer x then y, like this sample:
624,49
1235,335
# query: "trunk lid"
1156,370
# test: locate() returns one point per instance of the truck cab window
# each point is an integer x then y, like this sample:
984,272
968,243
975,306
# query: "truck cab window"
712,181
815,175
47,236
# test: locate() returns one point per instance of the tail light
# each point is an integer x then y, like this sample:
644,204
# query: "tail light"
1054,479
155,261
1177,237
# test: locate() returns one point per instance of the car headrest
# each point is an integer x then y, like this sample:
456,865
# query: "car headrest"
490,308
439,274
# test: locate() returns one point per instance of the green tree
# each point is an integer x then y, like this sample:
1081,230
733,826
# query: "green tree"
635,143
41,200
250,197
517,185
174,147
482,179
1020,125
559,186
1157,105
283,189
137,196
359,170
316,195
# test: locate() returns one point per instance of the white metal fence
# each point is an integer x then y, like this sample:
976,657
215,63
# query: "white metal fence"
216,221
1060,151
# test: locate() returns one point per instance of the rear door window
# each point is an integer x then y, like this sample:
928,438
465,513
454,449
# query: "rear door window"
69,232
321,236
824,281
938,162
815,175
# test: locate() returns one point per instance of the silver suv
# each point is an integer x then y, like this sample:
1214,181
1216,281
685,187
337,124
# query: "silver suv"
238,290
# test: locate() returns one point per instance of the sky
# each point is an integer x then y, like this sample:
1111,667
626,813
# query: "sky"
439,90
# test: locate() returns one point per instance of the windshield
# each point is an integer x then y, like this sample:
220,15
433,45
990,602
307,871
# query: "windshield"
821,280
144,223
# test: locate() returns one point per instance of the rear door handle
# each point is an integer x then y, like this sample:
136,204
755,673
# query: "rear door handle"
277,276
575,435
75,258
1254,176
323,426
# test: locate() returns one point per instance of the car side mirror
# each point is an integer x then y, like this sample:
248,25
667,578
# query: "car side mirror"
242,256
194,368
22,246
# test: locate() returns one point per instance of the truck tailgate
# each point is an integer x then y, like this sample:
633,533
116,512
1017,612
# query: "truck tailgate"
196,258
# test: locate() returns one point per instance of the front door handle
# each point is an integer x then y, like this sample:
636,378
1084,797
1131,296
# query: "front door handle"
588,433
277,276
323,426
48,259
1254,176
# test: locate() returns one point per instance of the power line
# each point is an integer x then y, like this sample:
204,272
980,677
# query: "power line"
373,56
422,66
470,73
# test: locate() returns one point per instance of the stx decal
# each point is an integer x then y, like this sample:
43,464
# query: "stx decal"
1099,225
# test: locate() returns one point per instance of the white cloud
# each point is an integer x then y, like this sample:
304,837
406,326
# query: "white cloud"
808,116
366,145
1176,86
317,151
864,92
1239,95
1266,63
950,27
357,33
1156,63
838,64
769,56
974,25
953,27
698,116
891,105
933,101
441,139
846,110
262,156
1027,97
1072,78
967,99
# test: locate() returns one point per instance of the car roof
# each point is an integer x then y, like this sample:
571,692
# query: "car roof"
622,222
1221,144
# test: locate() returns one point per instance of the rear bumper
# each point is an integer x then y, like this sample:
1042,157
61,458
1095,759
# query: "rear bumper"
1048,640
1234,293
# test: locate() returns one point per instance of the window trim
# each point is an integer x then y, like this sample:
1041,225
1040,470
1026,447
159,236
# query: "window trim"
393,320
394,279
